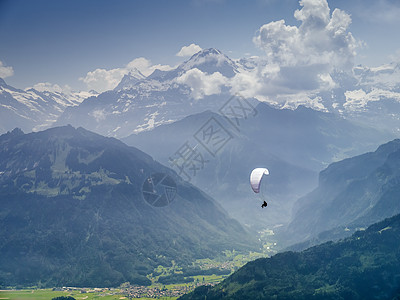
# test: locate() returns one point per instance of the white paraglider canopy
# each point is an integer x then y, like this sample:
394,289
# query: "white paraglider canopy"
255,178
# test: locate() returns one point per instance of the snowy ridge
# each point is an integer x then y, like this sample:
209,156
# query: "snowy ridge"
209,78
210,61
32,109
206,81
141,103
130,80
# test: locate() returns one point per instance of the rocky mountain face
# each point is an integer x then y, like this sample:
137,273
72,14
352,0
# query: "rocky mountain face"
80,209
352,193
32,109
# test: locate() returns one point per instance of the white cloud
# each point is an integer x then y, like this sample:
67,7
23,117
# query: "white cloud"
202,84
327,82
145,66
246,83
189,50
300,59
102,80
320,39
5,71
47,86
315,13
141,63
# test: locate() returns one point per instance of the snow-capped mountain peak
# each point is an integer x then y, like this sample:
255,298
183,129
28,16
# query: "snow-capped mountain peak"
210,61
135,73
141,103
34,109
130,79
206,52
385,77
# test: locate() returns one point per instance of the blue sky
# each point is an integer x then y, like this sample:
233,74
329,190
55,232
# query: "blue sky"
61,41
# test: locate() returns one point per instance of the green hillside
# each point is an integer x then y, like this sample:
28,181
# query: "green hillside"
363,266
73,213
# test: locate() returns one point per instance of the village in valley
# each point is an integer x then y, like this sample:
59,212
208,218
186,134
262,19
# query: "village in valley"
161,292
214,271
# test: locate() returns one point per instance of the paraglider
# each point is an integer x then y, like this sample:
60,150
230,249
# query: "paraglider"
256,178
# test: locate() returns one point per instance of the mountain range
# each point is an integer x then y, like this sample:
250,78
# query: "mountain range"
363,266
352,194
32,109
206,81
161,114
293,144
138,104
80,209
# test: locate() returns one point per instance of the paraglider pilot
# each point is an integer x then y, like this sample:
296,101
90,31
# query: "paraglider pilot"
255,181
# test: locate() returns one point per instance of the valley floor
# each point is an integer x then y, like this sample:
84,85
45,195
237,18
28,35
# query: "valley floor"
229,261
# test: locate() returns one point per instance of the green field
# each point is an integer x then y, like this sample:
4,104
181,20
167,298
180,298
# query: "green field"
228,260
47,294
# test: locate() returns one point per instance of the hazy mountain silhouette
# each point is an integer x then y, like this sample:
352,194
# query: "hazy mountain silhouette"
352,193
293,144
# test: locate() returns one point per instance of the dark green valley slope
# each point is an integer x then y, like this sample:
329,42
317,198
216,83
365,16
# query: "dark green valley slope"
72,213
363,266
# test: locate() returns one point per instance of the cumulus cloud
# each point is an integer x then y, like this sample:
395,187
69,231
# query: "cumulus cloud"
49,87
189,50
300,59
320,39
5,71
102,79
246,83
145,66
202,84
